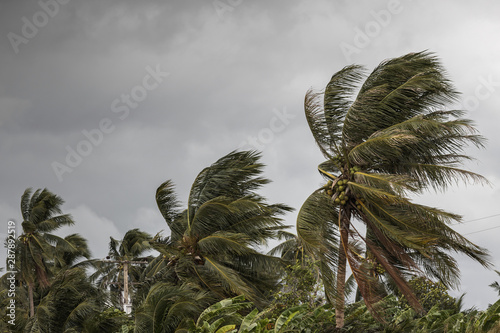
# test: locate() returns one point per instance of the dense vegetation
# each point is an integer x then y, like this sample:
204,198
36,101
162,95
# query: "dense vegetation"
385,137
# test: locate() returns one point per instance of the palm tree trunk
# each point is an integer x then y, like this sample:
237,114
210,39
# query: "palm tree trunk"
32,304
341,268
340,303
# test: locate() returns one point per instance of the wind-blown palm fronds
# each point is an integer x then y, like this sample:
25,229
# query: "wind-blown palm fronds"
168,307
37,246
385,139
71,301
215,241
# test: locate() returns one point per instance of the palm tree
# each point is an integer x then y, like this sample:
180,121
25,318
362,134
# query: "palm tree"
214,242
384,140
71,301
35,246
120,264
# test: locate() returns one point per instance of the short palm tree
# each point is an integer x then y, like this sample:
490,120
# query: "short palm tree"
386,139
36,247
215,241
125,262
70,302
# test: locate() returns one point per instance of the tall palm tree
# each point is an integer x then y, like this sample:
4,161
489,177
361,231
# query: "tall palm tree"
36,245
385,139
215,241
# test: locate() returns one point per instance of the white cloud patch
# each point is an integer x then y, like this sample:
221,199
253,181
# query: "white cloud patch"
96,229
150,220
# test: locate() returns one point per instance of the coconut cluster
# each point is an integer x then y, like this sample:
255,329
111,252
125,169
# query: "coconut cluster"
338,190
354,169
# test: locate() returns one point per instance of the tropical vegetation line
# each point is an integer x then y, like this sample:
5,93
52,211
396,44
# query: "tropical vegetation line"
365,257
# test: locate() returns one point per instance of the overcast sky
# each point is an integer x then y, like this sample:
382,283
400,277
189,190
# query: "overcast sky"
102,101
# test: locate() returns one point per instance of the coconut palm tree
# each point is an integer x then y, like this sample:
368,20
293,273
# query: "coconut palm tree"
215,241
36,245
70,301
385,139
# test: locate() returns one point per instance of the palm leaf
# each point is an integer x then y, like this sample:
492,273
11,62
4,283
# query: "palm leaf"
168,204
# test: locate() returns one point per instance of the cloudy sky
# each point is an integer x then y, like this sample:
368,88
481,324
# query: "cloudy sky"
102,101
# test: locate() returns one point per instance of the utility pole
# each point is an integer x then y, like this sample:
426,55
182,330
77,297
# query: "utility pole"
125,285
127,305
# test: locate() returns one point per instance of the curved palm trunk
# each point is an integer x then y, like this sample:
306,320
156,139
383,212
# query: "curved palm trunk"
342,267
30,295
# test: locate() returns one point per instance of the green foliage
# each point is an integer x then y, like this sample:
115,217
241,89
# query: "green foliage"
430,294
168,307
37,249
226,316
52,289
70,304
300,285
215,241
111,320
399,318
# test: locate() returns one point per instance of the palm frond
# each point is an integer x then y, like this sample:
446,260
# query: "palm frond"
167,202
25,203
390,183
318,234
397,90
229,278
325,116
235,175
226,243
440,177
381,147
